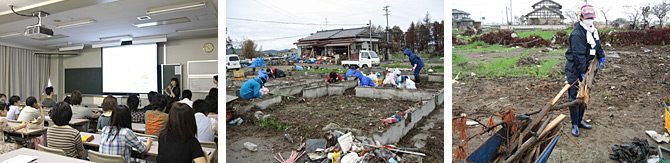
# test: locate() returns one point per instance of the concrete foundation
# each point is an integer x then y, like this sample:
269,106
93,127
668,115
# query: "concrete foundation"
396,131
315,92
266,102
437,77
392,93
291,90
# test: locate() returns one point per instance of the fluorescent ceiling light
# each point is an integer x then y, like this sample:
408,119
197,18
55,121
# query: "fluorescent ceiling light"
75,23
100,44
164,22
150,39
36,5
10,34
196,29
176,8
121,37
72,47
62,44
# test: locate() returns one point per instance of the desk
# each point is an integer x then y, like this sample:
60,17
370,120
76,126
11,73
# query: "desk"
139,127
153,150
42,157
26,131
79,124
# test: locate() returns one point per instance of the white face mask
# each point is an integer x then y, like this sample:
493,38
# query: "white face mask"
588,22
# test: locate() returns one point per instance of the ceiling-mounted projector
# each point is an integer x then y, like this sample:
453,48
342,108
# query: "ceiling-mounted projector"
36,31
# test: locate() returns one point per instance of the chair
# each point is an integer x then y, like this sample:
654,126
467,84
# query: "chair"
208,144
104,158
40,147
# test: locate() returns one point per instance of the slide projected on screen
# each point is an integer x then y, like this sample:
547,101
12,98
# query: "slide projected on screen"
130,69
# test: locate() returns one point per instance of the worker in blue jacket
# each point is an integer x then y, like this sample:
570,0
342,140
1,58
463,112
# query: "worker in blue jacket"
416,62
251,89
585,45
350,72
364,80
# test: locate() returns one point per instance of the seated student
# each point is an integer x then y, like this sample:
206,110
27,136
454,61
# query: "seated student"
78,111
48,98
32,113
350,72
405,82
153,101
186,97
155,119
14,110
3,98
251,89
212,102
180,134
108,106
364,80
4,145
119,139
62,135
203,122
133,103
333,77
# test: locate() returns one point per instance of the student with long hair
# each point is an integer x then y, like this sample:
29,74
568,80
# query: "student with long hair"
180,134
133,103
119,139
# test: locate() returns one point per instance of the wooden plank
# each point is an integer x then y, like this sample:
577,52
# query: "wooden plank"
553,124
558,96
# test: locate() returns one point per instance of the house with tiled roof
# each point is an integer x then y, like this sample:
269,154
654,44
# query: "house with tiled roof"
545,12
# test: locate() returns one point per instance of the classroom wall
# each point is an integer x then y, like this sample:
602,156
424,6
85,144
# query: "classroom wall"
176,52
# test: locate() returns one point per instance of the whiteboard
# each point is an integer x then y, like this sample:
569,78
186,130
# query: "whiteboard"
201,75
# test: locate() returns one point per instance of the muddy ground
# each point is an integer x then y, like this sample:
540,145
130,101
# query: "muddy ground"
428,136
624,102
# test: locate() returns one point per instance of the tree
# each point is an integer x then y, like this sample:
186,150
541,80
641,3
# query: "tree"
249,49
633,15
397,39
422,40
229,45
410,37
645,11
572,15
604,11
438,35
660,11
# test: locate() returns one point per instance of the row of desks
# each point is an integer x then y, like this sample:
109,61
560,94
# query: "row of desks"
137,127
153,150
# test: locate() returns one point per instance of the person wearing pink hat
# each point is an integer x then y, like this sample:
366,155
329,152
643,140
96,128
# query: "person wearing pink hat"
585,45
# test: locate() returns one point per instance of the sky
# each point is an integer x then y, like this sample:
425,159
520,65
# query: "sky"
494,10
278,35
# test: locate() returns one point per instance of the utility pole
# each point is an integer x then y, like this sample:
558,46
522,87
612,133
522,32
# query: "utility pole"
507,15
370,26
386,55
510,13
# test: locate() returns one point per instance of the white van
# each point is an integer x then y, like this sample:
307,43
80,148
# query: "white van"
233,62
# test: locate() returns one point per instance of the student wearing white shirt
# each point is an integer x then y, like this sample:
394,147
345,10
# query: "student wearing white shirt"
203,123
31,112
14,110
187,95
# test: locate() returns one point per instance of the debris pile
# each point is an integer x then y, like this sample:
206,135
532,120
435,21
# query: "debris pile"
506,37
638,150
642,37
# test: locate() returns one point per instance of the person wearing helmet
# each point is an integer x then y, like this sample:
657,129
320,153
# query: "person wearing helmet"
584,46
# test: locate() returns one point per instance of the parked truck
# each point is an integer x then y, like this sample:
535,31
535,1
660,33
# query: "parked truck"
366,58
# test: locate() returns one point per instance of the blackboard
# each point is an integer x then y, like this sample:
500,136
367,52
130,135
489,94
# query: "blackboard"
86,80
167,72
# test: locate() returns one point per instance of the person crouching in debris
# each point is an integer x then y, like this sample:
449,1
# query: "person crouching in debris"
392,76
275,73
253,88
405,83
416,62
350,72
364,80
584,46
334,77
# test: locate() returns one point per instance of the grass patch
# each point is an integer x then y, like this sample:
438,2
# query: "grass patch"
504,67
558,52
397,65
324,70
547,35
270,123
481,46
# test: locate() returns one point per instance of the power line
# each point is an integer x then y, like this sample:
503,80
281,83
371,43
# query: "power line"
283,22
279,38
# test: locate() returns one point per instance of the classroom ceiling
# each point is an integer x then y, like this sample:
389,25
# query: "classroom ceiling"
112,18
